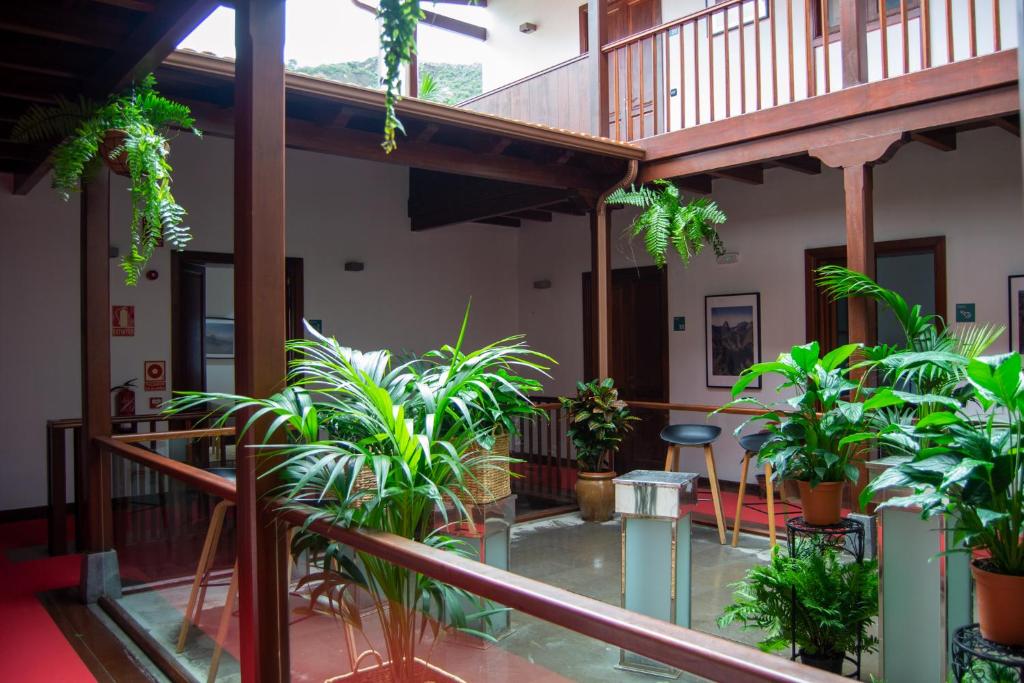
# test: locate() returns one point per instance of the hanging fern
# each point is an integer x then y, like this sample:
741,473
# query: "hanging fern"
144,116
666,221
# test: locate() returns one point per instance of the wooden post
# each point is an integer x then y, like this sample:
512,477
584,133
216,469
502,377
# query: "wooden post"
597,36
95,510
259,325
860,247
853,33
601,267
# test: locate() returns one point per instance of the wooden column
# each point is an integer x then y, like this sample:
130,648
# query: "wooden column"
260,324
95,511
601,267
597,36
860,247
853,32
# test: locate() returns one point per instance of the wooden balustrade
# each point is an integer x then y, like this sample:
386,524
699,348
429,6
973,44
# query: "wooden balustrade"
741,56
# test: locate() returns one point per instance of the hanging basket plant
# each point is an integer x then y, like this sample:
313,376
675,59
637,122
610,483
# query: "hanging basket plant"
667,221
129,133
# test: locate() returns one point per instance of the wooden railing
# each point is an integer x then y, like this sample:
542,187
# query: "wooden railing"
741,56
693,651
558,96
200,447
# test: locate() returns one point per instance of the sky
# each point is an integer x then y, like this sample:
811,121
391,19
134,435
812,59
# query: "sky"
329,31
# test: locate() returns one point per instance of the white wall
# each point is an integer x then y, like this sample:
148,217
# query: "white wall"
972,196
412,294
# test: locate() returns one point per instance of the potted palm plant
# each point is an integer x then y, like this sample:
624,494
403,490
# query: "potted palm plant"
597,422
807,430
129,133
813,599
378,445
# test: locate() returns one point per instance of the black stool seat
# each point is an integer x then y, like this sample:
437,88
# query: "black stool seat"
226,472
752,442
690,434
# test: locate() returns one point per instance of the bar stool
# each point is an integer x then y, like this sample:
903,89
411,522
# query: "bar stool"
752,444
694,436
197,596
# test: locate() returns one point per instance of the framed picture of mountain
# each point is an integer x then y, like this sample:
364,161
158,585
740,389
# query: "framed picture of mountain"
732,337
1016,313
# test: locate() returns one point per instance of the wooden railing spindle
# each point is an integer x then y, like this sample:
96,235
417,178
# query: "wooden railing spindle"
682,76
743,62
997,39
972,28
790,42
667,92
904,24
757,54
826,39
812,82
696,72
711,71
725,59
618,100
926,35
642,77
949,32
629,92
883,35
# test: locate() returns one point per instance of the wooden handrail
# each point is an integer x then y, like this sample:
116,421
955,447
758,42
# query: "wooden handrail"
193,476
654,30
69,422
176,434
695,408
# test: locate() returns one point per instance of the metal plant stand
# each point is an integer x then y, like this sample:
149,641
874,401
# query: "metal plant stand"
970,649
846,536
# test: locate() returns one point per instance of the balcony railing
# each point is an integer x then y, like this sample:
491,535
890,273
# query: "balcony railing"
741,56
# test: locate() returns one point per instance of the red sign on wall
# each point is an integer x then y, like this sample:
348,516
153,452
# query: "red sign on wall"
123,321
155,402
156,375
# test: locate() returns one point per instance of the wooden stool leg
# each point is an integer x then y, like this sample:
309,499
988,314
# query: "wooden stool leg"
217,524
716,494
195,605
739,500
222,630
770,490
669,466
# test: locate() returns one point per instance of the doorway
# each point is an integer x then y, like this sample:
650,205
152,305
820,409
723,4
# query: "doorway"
916,268
202,318
639,347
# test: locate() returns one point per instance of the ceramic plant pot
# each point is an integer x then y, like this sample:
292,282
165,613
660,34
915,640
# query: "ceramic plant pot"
830,663
1000,599
595,495
823,504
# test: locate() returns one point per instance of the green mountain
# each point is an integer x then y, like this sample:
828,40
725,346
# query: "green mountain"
453,83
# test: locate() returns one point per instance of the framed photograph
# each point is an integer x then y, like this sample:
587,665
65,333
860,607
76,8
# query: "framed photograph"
732,338
219,338
1016,313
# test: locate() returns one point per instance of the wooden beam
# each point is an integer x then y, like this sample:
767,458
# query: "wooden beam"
462,28
533,215
1011,124
96,324
800,164
135,5
259,260
853,32
751,175
76,27
504,221
860,246
943,139
699,184
597,36
568,207
601,267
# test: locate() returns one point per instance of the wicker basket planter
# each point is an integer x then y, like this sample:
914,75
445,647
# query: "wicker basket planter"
381,673
490,481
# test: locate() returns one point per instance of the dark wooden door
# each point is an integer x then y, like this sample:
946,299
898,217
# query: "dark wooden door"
639,356
625,17
188,323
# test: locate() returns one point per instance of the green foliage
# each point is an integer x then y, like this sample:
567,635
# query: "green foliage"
398,19
667,220
808,429
597,422
144,117
835,602
413,425
439,82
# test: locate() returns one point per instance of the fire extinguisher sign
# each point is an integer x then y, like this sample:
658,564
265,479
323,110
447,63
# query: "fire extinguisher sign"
155,372
123,321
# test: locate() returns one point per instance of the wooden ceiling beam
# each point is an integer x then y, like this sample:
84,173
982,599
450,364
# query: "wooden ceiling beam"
750,175
700,184
504,221
568,207
29,19
800,164
943,139
1011,124
538,215
463,28
134,5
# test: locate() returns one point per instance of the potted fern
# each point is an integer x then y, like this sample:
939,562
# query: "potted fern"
129,132
667,221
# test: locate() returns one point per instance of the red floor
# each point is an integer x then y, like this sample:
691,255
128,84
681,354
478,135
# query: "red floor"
32,647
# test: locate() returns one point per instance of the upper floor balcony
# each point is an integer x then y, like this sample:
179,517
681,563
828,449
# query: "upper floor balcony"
741,56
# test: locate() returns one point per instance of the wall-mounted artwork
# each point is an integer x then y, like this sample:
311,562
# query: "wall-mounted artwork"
220,338
732,337
1016,313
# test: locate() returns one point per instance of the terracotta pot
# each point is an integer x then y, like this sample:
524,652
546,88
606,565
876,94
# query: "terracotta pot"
823,504
111,141
831,663
595,495
1000,599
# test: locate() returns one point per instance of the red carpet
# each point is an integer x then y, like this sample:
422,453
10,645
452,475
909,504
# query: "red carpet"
32,647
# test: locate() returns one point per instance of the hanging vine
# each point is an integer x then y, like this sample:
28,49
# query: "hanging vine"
398,20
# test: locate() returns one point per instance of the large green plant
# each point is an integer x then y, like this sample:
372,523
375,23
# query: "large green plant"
808,429
144,117
597,422
666,220
824,604
346,415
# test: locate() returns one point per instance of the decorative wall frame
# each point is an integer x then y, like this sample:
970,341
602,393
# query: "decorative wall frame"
219,337
732,337
1016,312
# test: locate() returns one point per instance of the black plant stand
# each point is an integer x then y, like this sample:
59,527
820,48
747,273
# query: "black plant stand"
846,536
969,647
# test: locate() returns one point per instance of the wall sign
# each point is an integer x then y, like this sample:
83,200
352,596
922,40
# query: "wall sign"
965,313
317,325
123,321
679,323
156,375
155,402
